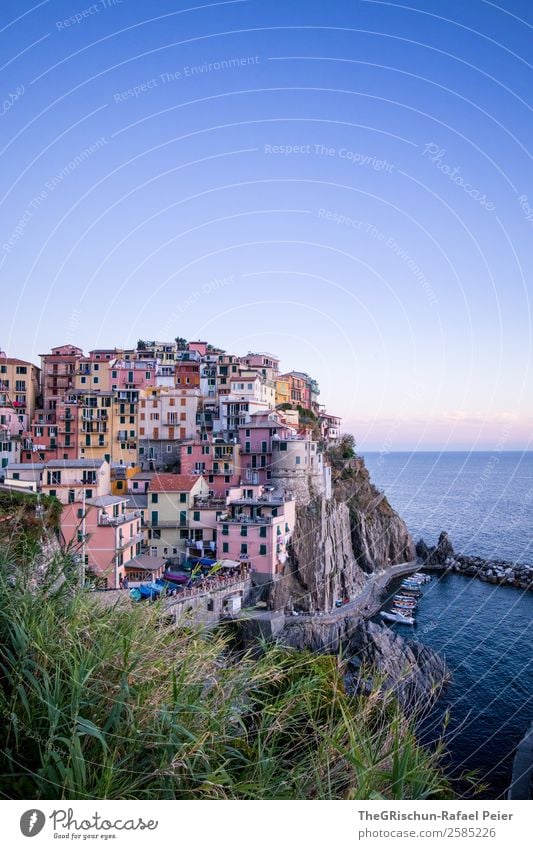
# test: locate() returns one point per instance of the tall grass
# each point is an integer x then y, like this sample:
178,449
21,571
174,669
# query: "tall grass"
103,702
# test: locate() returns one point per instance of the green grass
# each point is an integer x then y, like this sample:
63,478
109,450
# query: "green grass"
108,703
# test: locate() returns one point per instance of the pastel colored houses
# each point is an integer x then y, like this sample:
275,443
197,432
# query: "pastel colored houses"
108,538
169,513
66,480
166,415
283,391
218,460
19,386
256,529
256,438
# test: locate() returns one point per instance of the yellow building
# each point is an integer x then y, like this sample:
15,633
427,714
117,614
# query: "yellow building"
19,385
170,512
283,391
92,376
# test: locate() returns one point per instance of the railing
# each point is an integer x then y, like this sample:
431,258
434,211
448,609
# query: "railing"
209,503
120,519
248,520
124,542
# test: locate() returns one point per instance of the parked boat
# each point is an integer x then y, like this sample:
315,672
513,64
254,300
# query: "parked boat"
135,594
176,577
397,617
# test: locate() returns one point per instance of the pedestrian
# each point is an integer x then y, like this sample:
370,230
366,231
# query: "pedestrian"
121,582
125,583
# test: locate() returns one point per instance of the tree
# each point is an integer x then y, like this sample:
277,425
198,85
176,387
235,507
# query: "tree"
181,343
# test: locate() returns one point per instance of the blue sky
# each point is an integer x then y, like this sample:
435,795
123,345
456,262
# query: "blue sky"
348,185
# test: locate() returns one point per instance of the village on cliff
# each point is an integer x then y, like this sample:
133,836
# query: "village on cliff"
170,456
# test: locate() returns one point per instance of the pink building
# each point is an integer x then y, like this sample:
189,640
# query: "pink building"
256,529
218,460
108,539
255,438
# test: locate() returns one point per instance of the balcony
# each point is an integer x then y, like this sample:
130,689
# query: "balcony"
247,520
125,542
209,503
114,521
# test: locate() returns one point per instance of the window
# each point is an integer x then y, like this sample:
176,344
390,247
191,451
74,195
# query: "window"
225,530
225,547
71,496
183,517
244,548
262,550
52,493
244,531
22,370
263,531
184,534
298,460
155,517
88,493
189,449
183,498
196,515
283,446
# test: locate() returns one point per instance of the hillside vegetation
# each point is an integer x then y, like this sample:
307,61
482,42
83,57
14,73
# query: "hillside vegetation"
110,703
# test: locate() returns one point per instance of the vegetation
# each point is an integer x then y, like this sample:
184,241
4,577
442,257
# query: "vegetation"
181,343
23,518
108,702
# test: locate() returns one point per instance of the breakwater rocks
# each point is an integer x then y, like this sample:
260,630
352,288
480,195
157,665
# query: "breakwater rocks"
443,558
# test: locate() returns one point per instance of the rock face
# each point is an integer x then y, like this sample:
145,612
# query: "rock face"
437,555
337,541
413,671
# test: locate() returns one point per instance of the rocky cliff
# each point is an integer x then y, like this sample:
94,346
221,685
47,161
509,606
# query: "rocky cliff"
338,541
378,656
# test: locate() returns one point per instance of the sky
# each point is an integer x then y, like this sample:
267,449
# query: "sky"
347,185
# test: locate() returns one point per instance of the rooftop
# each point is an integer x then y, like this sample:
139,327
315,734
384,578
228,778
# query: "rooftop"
105,500
173,483
146,561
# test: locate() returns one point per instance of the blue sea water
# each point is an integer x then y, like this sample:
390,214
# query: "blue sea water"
485,502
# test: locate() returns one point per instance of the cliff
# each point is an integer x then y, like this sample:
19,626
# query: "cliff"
338,541
411,670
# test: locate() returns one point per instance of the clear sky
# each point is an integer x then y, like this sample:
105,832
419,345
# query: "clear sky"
346,184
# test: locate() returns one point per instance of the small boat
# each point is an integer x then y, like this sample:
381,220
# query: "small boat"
425,579
176,577
397,617
135,594
407,598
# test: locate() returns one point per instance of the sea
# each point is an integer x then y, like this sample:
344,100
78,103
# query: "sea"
485,502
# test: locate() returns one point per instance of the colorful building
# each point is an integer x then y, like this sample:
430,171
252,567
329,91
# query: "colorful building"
170,512
19,386
256,530
108,538
166,415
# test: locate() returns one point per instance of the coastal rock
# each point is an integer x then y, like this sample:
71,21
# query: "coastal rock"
337,542
441,554
411,669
